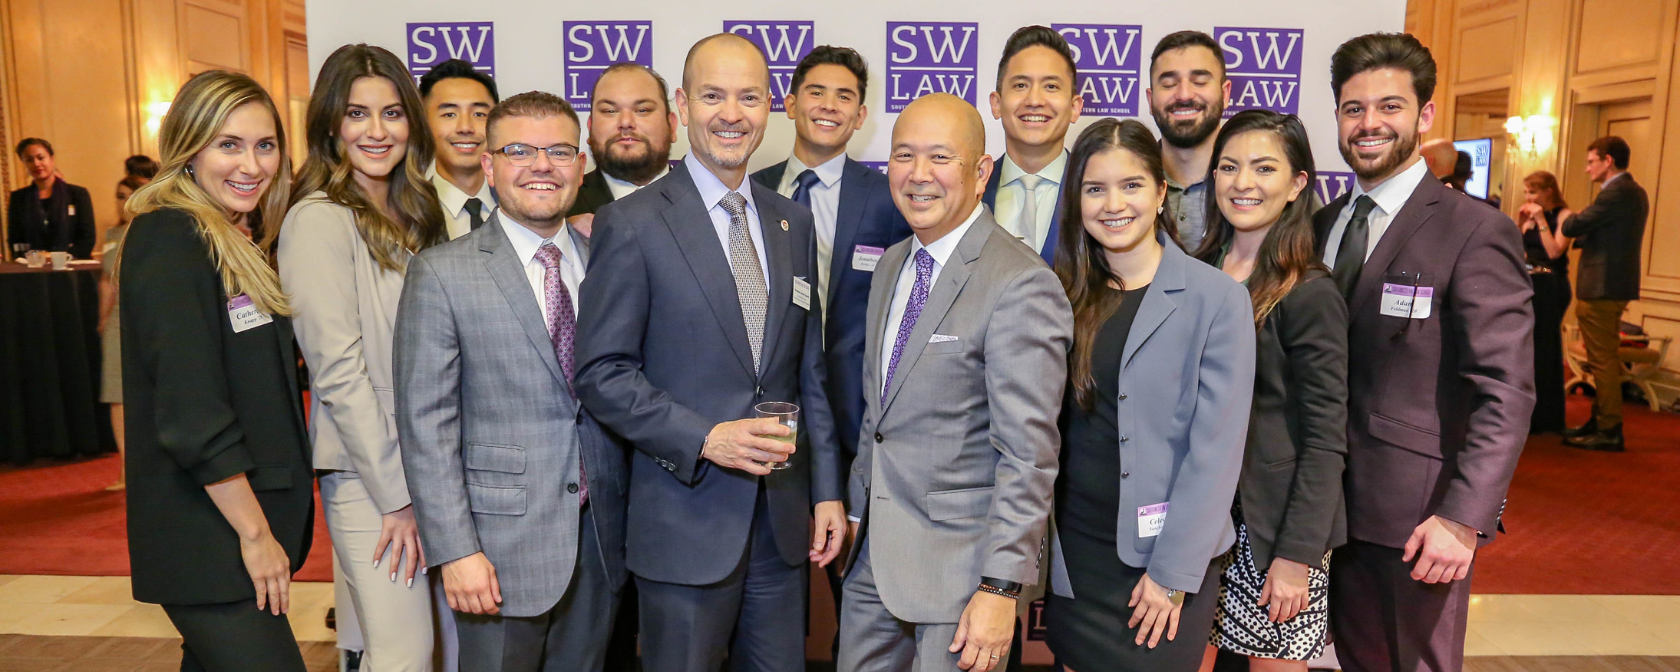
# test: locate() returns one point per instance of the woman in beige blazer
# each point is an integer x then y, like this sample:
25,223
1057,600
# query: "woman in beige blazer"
360,210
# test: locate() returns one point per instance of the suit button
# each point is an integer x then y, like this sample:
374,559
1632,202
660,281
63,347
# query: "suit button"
1122,396
1123,439
879,438
759,390
571,488
1124,474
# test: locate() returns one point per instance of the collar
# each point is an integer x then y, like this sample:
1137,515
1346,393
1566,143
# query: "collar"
632,186
1051,172
828,173
712,189
525,241
943,248
1617,176
453,199
1393,193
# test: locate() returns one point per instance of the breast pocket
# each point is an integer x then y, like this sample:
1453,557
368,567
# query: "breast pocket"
953,347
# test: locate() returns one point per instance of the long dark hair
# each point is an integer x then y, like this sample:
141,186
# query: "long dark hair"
1080,262
411,197
1286,254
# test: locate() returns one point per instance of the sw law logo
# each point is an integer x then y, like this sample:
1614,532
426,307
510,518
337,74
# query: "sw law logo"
784,43
432,43
1108,58
930,57
1331,185
593,46
1264,66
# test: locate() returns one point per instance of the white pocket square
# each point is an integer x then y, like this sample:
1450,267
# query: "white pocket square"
941,338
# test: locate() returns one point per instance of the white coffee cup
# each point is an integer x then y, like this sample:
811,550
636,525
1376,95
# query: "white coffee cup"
60,260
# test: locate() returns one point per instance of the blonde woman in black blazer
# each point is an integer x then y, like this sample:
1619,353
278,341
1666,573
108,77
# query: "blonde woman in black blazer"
220,496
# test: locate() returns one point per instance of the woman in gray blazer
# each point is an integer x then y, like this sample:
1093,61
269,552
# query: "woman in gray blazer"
1153,420
1275,590
361,208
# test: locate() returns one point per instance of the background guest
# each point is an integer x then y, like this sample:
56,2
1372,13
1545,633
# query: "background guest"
1187,93
1546,250
1274,593
631,125
210,373
49,215
1135,588
1036,100
140,172
458,99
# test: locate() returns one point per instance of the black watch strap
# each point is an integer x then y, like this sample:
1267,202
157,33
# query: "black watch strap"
1000,584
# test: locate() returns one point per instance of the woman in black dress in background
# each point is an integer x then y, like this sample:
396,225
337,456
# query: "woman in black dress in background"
1547,253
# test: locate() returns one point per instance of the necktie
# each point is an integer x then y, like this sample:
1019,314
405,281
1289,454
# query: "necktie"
1028,222
1350,255
802,188
749,275
475,208
562,327
912,310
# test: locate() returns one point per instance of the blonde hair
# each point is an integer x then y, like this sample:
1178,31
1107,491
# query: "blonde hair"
196,117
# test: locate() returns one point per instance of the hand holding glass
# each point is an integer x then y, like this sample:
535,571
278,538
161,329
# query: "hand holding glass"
785,414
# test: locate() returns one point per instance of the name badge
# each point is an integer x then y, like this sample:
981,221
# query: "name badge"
864,258
1150,520
245,316
802,293
1407,301
72,211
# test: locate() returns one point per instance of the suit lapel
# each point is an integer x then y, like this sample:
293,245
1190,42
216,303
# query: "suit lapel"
778,252
1157,305
288,354
992,184
1325,219
952,277
686,217
505,269
853,198
880,304
1049,251
1417,210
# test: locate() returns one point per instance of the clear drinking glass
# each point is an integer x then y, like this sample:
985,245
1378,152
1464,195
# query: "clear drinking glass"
785,414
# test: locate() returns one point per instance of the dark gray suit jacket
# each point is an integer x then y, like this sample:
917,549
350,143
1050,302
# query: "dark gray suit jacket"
1610,234
663,357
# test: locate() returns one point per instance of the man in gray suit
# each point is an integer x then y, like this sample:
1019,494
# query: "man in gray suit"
519,495
700,307
964,367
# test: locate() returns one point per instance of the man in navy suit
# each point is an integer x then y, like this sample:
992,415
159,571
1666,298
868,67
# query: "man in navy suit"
703,307
1037,98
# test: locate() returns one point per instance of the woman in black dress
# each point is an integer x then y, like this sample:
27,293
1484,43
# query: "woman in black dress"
220,491
1274,594
1152,423
1547,253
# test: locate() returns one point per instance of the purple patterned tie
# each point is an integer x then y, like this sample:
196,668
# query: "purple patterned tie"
912,310
562,329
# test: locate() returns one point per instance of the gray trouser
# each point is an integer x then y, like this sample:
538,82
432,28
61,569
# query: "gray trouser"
873,640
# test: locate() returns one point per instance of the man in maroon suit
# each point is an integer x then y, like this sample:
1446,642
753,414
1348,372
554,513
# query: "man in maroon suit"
1440,376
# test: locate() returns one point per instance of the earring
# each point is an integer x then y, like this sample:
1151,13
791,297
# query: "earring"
190,172
1160,209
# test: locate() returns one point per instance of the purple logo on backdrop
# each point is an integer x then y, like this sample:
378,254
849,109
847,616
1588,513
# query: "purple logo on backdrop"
929,57
877,165
593,46
784,43
1108,57
1331,185
1264,66
432,43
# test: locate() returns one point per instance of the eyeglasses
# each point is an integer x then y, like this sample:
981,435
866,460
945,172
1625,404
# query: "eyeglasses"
523,155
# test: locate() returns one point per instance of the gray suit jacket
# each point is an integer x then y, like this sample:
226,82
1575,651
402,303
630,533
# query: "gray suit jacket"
955,472
1186,380
492,436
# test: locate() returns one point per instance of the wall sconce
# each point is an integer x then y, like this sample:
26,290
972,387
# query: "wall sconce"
1531,135
154,116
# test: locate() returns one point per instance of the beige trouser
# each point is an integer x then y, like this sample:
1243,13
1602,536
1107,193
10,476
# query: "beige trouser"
1601,333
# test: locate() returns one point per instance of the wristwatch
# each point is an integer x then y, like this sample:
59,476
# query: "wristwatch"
1175,596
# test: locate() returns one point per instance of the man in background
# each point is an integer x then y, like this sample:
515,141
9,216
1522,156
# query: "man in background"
1187,93
1442,158
458,101
630,129
1036,99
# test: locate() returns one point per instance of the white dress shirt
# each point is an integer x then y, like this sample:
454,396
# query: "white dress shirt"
712,191
525,244
941,251
454,201
1390,196
825,209
1012,194
620,188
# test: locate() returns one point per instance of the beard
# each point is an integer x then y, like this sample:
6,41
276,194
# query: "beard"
634,167
1399,151
1185,134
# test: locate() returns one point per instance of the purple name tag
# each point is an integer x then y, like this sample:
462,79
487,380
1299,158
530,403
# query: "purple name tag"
1408,290
1406,301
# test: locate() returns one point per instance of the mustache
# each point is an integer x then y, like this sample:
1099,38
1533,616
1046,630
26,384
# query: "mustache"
1378,134
1196,105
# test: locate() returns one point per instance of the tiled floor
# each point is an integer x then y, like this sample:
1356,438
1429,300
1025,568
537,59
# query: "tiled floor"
1500,625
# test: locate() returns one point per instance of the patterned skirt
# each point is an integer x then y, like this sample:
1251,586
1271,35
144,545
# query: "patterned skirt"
1242,625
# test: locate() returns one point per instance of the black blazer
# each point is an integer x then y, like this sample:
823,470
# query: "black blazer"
1291,484
592,194
1610,233
866,216
56,231
205,404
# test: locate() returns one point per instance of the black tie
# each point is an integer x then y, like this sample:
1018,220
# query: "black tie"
802,192
1350,255
475,208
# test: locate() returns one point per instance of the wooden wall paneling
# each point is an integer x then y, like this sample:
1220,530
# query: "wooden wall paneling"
1619,33
1487,50
214,37
159,68
1662,256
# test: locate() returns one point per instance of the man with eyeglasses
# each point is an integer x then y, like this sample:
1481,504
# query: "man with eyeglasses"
517,490
702,307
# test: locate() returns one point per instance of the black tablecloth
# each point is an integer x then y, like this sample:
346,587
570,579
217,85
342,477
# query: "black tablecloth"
49,364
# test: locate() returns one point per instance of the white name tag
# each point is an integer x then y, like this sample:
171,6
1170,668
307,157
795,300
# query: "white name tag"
1407,301
802,293
72,211
1150,520
245,316
864,258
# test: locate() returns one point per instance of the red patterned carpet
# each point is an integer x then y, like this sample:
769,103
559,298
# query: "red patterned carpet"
1579,522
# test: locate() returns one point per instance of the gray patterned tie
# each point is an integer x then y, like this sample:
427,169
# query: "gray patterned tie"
749,276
